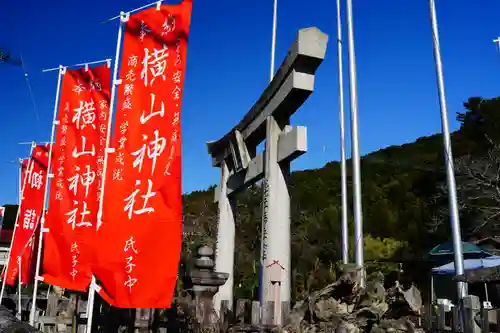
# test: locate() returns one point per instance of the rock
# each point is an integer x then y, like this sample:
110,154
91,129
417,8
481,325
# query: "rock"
326,309
413,298
397,325
10,324
297,315
376,329
346,327
345,307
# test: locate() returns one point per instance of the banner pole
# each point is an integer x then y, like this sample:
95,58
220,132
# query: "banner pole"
448,157
19,287
356,160
62,71
497,43
77,65
93,286
4,280
273,41
343,168
20,182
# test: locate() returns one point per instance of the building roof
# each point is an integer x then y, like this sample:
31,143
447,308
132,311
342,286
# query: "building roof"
5,236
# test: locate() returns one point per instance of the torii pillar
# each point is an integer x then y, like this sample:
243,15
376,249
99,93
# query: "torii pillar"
240,166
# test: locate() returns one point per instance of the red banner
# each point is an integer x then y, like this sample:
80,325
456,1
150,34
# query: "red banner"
140,238
31,207
14,271
77,167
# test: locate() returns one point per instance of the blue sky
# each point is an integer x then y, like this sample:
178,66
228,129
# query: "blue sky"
228,66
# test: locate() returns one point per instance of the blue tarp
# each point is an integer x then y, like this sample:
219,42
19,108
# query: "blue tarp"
446,249
469,265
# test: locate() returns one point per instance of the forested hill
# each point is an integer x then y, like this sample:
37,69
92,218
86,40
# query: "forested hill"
404,203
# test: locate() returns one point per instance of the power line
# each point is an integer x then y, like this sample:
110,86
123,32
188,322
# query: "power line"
32,96
7,58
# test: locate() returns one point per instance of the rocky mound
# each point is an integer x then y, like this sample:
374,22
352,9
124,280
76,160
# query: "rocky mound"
345,307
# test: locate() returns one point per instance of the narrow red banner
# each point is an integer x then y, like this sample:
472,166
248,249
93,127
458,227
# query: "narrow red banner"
31,207
77,167
15,258
140,238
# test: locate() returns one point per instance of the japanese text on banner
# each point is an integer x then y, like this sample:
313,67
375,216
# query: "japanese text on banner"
78,166
142,222
34,175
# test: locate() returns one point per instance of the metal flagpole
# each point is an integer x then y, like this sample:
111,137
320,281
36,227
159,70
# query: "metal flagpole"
77,65
19,258
497,42
62,71
93,286
356,169
450,173
343,171
19,288
20,182
271,76
16,224
273,42
157,3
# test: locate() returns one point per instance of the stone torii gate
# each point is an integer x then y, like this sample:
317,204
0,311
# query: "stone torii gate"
240,167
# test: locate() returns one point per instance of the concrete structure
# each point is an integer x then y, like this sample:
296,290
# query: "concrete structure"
240,165
4,255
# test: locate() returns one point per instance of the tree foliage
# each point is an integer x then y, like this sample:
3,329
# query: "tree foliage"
405,207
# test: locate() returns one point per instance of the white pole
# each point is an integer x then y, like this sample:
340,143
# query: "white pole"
356,168
92,289
4,281
273,43
20,181
19,259
77,65
19,288
450,172
62,71
497,43
343,168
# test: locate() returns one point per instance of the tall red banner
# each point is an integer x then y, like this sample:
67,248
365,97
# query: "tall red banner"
140,238
34,176
77,167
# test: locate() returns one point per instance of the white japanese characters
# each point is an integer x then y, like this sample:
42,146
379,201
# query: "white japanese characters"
168,25
154,64
83,152
176,95
36,179
152,149
144,30
130,252
75,253
85,115
59,177
79,163
131,200
73,214
147,127
29,219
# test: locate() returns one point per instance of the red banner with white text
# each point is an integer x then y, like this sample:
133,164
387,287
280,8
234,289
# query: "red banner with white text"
140,238
28,256
24,166
31,208
77,167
